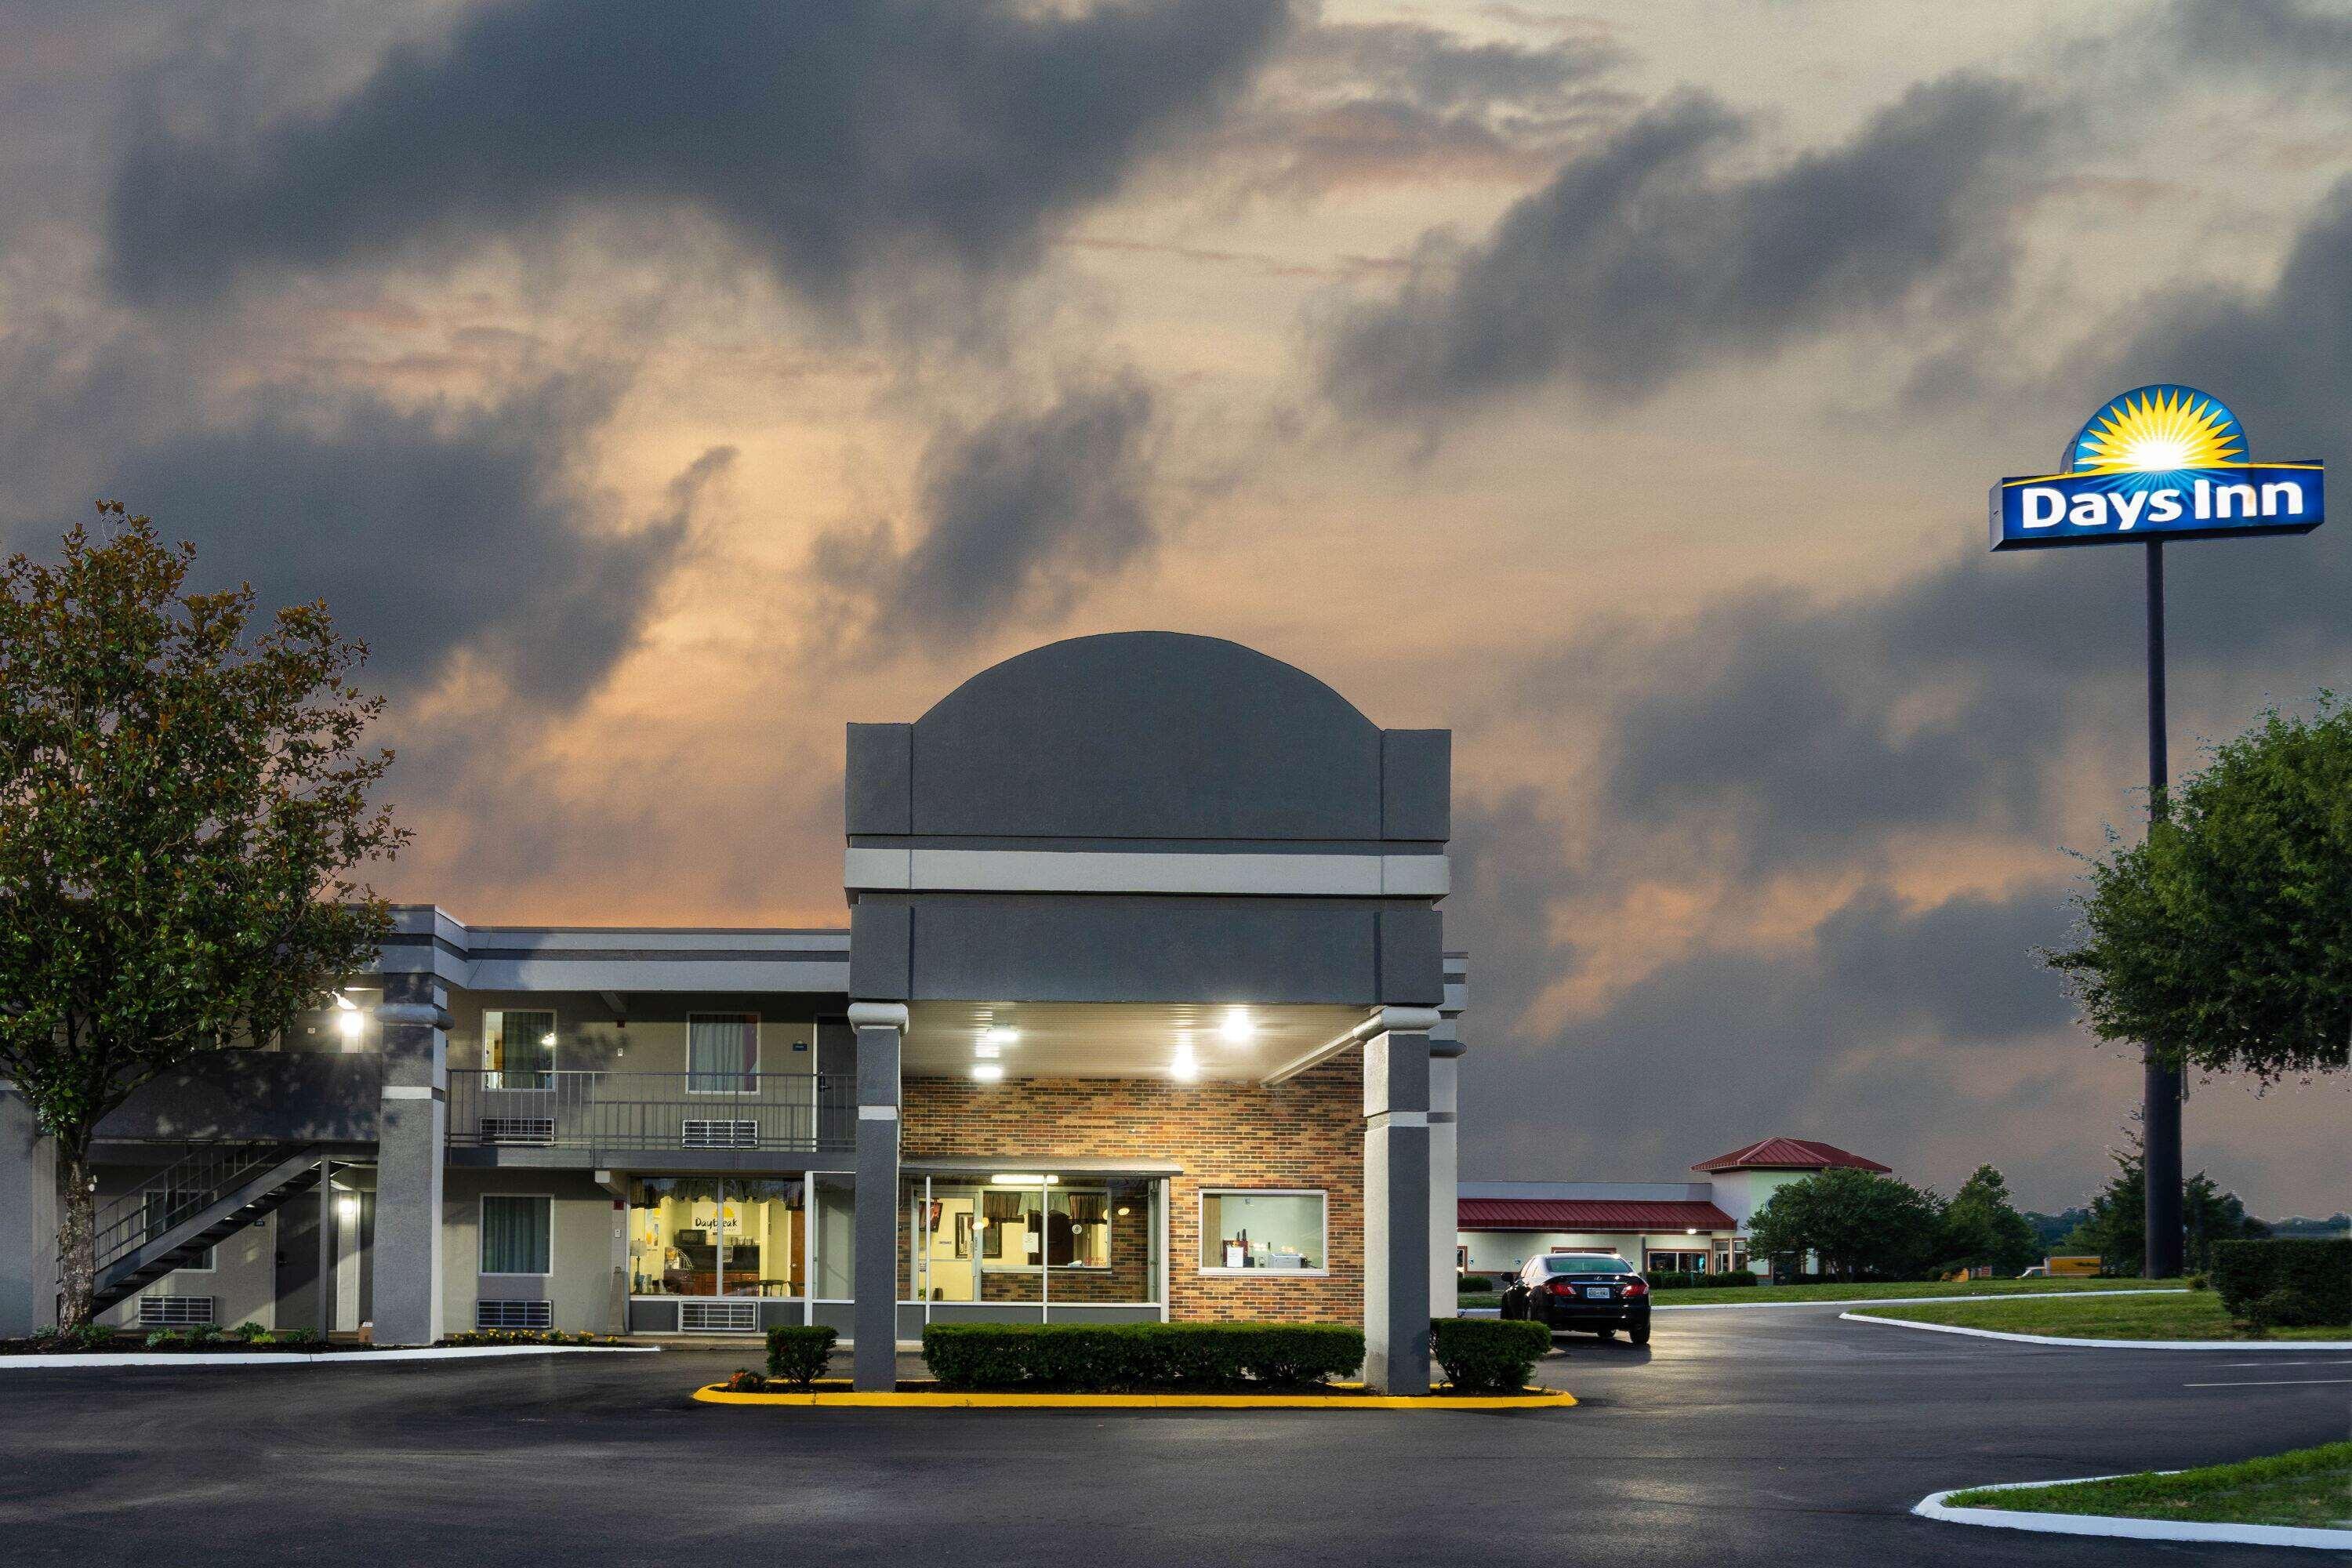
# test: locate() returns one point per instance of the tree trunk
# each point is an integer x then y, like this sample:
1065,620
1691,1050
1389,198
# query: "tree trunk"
77,1240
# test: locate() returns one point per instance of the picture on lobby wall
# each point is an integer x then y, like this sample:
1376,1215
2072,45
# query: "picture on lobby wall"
963,1236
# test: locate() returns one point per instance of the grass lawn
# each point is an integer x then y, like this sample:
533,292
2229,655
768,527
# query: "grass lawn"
1912,1291
2190,1315
1470,1299
2311,1487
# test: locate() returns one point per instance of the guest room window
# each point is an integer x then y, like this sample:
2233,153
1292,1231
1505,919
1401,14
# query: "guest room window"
520,1049
1280,1231
722,1053
515,1233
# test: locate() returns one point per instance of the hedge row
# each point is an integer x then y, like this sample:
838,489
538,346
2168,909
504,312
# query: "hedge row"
1106,1356
1733,1280
2289,1284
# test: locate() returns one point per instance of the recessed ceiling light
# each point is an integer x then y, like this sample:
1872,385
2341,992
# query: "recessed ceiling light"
1000,1036
984,1051
1185,1068
988,1072
1237,1027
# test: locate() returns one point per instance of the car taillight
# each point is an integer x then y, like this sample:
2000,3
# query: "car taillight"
1636,1287
1562,1287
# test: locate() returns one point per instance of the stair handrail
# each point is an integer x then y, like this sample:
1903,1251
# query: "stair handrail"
206,1173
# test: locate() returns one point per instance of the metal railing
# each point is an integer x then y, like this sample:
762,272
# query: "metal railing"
771,1112
180,1191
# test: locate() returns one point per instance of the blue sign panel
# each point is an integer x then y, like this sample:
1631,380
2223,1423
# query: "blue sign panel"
2159,462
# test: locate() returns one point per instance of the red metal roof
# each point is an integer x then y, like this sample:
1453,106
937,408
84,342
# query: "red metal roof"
1587,1215
1789,1155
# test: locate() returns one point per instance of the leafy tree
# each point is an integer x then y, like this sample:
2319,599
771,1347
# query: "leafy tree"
182,794
1861,1225
1983,1229
2050,1230
2224,941
2118,1227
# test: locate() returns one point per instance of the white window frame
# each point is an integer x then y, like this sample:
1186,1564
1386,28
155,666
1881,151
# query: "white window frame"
482,1238
1201,1229
753,1071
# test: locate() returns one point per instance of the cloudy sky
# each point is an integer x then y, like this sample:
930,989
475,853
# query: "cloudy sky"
658,387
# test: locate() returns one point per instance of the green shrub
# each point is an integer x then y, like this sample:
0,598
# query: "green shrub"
168,1340
800,1353
2247,1273
2200,1281
1108,1356
91,1336
247,1330
298,1336
746,1381
1477,1353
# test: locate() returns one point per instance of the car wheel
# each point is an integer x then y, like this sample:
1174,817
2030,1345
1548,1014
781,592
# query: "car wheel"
1640,1336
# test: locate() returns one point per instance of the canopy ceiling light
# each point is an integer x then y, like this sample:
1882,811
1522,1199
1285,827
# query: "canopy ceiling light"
1024,1179
1237,1027
998,1035
988,1072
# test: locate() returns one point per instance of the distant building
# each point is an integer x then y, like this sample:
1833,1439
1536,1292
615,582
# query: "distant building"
1660,1226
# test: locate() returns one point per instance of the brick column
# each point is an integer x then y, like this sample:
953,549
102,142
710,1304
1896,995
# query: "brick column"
412,1146
1396,1200
29,1219
881,1027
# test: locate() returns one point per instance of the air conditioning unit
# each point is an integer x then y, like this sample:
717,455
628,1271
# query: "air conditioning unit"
705,1132
720,1317
526,1129
176,1311
514,1315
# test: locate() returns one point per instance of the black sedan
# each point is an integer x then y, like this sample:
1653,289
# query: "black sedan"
1596,1290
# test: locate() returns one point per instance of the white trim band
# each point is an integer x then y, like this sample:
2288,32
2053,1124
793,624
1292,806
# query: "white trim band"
2320,1345
1150,871
878,1016
410,1091
877,1113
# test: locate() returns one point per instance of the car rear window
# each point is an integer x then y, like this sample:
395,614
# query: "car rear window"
1574,1265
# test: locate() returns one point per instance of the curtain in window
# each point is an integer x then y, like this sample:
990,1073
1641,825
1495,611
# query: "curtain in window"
722,1052
515,1236
521,1049
1088,1208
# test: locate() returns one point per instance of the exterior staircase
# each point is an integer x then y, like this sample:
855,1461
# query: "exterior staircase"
168,1221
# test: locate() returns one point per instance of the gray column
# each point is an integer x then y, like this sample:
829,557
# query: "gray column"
29,1219
1396,1201
880,1028
412,1146
1444,1211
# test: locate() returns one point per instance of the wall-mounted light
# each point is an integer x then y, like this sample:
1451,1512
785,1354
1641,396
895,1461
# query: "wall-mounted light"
1692,1231
1124,1211
1237,1026
349,1024
988,1072
548,1039
347,1207
1185,1068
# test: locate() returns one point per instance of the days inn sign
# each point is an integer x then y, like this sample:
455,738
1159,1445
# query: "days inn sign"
2159,462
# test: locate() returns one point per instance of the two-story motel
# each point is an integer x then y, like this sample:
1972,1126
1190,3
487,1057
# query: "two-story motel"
1143,1013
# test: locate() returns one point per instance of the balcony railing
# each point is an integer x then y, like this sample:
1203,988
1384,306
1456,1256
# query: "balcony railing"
771,1112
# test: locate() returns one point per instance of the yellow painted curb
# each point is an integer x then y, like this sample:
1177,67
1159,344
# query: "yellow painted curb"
1549,1399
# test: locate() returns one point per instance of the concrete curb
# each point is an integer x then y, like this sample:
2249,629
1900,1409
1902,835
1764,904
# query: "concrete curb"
1933,1506
299,1358
2323,1346
1657,1306
1547,1399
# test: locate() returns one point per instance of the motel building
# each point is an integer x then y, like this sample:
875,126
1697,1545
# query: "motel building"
1696,1228
1142,1011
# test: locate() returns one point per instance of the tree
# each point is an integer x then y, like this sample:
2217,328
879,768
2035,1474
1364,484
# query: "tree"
2224,941
1859,1225
182,794
1982,1228
2117,1228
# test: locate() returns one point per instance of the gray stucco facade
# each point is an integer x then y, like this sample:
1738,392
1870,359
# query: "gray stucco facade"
1107,845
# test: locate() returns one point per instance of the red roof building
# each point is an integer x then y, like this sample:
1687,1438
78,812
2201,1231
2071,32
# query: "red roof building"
1590,1216
1789,1155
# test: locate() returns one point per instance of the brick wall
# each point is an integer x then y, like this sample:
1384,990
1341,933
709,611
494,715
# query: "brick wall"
1308,1132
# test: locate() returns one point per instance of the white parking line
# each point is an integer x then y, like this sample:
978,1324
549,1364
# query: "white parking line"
2287,1363
2270,1382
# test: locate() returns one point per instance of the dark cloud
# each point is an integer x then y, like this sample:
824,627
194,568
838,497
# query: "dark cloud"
2282,40
1639,261
839,142
1019,515
431,531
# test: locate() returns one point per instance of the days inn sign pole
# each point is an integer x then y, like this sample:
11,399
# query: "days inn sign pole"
2159,462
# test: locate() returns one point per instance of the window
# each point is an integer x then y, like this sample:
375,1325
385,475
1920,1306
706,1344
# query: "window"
166,1209
1281,1230
516,1234
722,1053
520,1049
1586,1263
1678,1261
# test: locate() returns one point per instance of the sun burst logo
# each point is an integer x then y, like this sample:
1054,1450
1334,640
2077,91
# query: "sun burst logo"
2159,430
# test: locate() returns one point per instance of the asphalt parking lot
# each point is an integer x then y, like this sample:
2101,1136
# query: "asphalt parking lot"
1755,1436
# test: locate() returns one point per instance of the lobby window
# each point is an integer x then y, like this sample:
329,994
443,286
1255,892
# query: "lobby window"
516,1234
722,1053
1676,1262
518,1048
1274,1230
